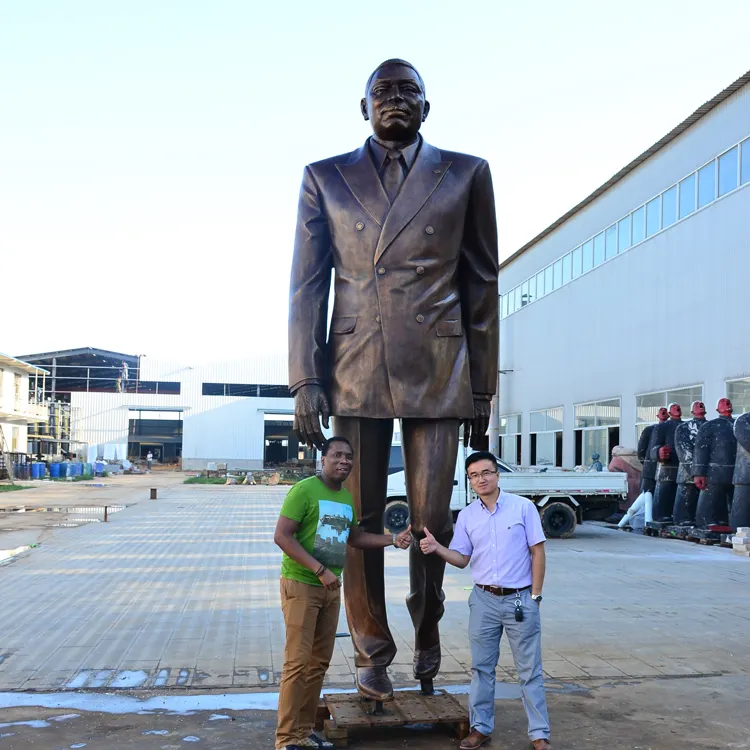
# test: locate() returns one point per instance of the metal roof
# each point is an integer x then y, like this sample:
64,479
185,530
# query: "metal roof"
8,361
87,350
703,110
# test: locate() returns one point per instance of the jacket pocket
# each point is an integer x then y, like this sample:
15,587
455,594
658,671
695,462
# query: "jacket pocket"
449,328
345,324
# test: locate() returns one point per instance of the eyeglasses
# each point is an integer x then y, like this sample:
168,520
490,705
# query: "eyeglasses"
486,474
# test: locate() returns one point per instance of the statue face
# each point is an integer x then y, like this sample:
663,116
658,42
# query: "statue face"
724,407
662,415
675,411
698,409
395,104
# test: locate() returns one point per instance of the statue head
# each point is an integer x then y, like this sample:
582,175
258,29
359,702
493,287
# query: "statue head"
675,411
394,102
698,409
662,415
724,407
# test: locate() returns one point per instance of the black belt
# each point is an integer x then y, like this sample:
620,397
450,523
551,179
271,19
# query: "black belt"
500,591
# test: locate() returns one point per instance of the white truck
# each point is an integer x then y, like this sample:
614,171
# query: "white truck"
564,498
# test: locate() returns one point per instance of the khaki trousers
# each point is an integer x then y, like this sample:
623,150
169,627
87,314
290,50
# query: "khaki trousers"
311,615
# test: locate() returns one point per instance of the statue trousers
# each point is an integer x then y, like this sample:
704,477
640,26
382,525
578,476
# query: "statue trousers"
430,447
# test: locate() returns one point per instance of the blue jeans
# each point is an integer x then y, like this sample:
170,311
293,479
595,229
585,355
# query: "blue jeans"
489,616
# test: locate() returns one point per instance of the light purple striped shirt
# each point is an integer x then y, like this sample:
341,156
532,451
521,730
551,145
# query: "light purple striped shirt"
498,542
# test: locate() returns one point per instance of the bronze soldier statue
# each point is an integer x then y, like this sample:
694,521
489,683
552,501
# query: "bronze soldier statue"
409,232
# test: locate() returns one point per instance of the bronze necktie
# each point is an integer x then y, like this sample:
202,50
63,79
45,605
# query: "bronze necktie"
393,175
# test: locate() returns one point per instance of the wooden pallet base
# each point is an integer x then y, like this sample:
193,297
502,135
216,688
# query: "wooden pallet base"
341,714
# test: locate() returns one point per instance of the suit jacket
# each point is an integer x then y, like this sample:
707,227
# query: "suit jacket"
414,331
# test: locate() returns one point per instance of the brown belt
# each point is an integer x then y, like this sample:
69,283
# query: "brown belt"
500,591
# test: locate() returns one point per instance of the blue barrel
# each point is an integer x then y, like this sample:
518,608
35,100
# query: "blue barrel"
77,469
36,470
64,469
98,468
88,470
54,471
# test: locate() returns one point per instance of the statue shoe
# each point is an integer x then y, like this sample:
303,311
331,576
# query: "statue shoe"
426,662
374,683
540,745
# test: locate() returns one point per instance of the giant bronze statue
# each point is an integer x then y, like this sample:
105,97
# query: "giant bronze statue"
409,232
686,497
664,454
713,466
646,442
741,502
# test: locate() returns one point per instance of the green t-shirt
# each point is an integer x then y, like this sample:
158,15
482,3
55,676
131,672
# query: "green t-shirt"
325,518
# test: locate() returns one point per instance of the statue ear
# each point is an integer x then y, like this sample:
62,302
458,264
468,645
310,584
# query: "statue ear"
363,108
426,110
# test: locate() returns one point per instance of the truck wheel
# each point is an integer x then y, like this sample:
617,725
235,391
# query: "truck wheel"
558,520
396,516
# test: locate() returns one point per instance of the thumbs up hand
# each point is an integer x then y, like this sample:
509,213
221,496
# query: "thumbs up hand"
403,540
429,544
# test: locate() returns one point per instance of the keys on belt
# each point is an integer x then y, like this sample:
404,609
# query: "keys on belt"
500,591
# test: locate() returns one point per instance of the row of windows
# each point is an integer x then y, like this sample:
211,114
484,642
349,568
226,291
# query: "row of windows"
246,389
720,176
597,423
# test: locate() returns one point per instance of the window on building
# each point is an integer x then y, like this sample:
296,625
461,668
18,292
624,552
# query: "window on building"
647,404
546,437
639,225
557,274
510,439
532,288
687,196
517,298
669,207
566,272
588,255
153,386
597,430
738,392
251,390
653,216
548,279
610,242
728,168
540,288
504,306
623,234
745,159
525,294
706,184
599,249
576,263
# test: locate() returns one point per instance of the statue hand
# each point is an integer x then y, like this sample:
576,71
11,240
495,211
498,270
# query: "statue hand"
475,429
665,453
310,403
700,482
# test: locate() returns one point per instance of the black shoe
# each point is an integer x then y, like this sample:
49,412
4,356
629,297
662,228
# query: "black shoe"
374,683
320,742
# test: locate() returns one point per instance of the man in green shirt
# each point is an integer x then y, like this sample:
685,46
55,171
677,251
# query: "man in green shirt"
316,523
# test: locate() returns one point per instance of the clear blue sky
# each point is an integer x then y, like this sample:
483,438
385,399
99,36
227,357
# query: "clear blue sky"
151,150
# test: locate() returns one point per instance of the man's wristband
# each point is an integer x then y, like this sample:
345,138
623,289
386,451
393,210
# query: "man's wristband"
319,572
394,539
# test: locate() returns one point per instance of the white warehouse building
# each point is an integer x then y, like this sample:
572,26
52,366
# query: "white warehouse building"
120,406
637,297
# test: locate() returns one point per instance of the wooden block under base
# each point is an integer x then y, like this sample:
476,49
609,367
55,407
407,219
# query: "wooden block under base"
321,715
349,712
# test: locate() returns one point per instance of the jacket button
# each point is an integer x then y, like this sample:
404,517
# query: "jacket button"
420,270
377,318
429,229
360,226
420,318
381,270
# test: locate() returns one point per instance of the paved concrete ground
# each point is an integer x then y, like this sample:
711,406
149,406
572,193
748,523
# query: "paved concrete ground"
652,714
183,591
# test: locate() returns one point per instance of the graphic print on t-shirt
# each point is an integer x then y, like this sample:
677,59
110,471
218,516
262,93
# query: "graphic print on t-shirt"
334,522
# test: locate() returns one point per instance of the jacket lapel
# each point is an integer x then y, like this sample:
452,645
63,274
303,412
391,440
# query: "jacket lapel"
421,182
362,179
